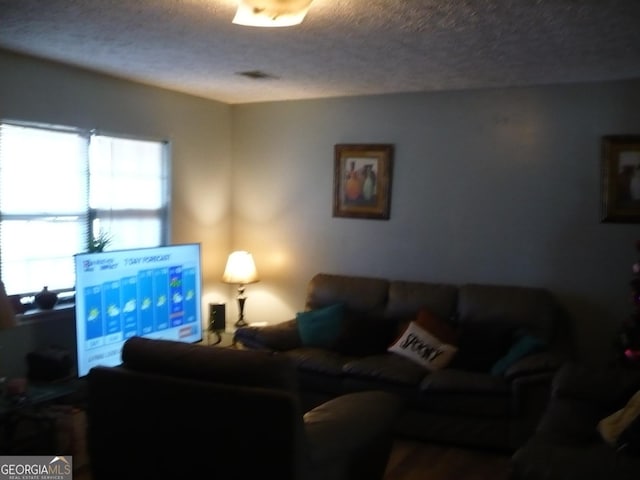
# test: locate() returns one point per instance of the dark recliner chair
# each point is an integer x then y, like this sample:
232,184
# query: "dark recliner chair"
174,410
567,444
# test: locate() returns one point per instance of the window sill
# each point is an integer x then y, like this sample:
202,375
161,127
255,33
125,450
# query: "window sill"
40,315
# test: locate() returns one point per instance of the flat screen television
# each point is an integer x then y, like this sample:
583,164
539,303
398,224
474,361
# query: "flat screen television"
147,292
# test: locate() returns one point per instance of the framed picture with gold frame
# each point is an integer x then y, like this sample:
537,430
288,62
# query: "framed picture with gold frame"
362,180
620,179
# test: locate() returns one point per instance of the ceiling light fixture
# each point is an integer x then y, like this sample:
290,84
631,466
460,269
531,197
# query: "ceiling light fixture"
271,13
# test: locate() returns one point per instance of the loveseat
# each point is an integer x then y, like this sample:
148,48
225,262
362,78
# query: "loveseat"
180,411
464,403
568,443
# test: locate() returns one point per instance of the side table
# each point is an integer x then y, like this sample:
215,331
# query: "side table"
220,339
226,338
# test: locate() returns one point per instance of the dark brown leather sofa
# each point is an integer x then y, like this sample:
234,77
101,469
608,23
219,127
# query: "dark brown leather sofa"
179,411
461,404
567,444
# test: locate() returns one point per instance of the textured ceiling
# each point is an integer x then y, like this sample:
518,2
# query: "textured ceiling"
343,47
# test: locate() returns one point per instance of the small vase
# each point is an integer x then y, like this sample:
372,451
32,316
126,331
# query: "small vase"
46,299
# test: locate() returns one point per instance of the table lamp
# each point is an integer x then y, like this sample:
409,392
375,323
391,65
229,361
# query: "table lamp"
240,269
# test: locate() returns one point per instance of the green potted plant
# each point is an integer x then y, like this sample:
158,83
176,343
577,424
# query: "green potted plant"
99,242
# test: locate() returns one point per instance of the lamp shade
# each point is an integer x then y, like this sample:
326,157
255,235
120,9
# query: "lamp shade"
7,316
271,13
240,269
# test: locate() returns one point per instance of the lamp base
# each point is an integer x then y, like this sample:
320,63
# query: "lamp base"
241,323
218,338
241,300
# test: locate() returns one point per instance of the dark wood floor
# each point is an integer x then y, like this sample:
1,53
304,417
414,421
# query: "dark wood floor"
423,461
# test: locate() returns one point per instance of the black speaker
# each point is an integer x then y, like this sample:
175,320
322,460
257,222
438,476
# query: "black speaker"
217,322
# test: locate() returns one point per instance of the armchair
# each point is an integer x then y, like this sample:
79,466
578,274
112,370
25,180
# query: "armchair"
174,410
567,444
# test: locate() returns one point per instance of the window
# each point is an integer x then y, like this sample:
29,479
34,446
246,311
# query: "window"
61,188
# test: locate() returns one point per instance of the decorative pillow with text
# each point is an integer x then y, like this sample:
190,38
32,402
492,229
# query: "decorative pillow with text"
423,348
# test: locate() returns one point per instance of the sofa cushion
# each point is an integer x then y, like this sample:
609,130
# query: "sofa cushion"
386,367
423,348
320,327
469,394
318,360
450,380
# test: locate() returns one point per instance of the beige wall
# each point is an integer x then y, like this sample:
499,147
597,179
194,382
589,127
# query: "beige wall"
492,186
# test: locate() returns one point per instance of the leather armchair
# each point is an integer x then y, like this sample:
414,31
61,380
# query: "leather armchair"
175,410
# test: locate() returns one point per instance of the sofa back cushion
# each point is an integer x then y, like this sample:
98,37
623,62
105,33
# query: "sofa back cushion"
533,310
406,299
357,294
249,368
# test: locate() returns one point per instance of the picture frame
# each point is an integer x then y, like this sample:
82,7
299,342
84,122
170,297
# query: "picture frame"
362,180
620,178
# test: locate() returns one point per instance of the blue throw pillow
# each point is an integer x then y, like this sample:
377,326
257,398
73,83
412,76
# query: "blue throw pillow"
320,327
526,345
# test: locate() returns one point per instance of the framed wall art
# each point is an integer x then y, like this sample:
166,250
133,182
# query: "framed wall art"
620,178
362,180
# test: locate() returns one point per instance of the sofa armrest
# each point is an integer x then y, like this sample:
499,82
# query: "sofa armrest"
346,423
278,337
541,362
531,395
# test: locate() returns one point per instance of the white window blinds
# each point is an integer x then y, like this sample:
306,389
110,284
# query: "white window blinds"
128,190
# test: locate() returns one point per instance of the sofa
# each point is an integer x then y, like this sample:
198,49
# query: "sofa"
568,443
173,410
465,403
